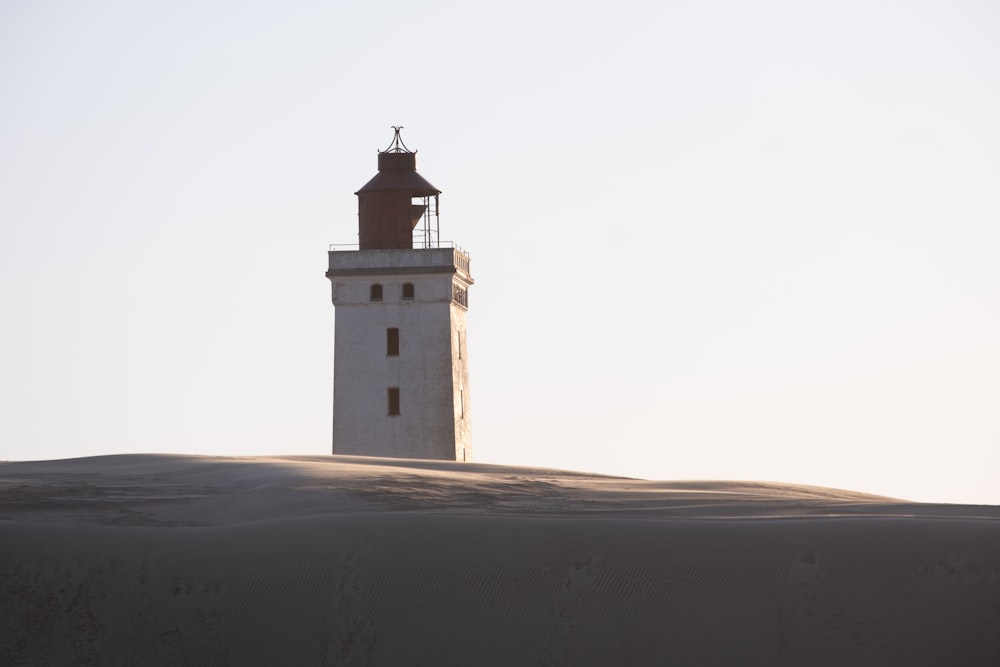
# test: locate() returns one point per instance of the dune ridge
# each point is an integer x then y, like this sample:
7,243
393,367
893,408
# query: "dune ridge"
168,559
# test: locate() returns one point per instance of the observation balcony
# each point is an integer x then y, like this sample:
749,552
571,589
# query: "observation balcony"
348,259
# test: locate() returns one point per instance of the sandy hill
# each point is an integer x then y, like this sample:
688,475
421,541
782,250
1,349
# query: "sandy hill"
175,560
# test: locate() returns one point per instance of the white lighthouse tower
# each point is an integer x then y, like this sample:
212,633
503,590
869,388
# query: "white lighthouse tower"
400,368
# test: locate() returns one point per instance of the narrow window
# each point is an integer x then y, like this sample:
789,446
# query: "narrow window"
376,293
460,296
392,342
408,291
458,334
393,400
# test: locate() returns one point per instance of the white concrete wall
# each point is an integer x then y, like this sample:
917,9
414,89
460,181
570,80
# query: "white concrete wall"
431,370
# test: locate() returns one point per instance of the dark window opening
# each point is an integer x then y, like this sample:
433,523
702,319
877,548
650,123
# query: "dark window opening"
392,342
376,293
393,400
408,290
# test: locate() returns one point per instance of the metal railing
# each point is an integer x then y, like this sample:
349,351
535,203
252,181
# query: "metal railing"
442,244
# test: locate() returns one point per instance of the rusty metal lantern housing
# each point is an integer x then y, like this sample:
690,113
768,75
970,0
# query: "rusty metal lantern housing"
393,202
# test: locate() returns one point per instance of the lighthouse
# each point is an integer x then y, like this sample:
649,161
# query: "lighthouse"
400,367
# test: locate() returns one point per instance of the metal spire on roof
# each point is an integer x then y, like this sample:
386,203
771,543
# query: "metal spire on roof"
397,145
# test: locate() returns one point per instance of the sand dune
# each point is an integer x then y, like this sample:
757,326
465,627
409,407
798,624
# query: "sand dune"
171,560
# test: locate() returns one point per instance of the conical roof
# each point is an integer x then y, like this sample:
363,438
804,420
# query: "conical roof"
397,171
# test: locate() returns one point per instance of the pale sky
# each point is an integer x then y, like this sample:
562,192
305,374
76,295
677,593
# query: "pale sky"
711,240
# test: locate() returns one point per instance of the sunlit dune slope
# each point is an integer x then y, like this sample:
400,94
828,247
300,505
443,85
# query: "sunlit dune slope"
190,490
164,560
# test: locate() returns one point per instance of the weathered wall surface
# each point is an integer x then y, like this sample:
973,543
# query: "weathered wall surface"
430,369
